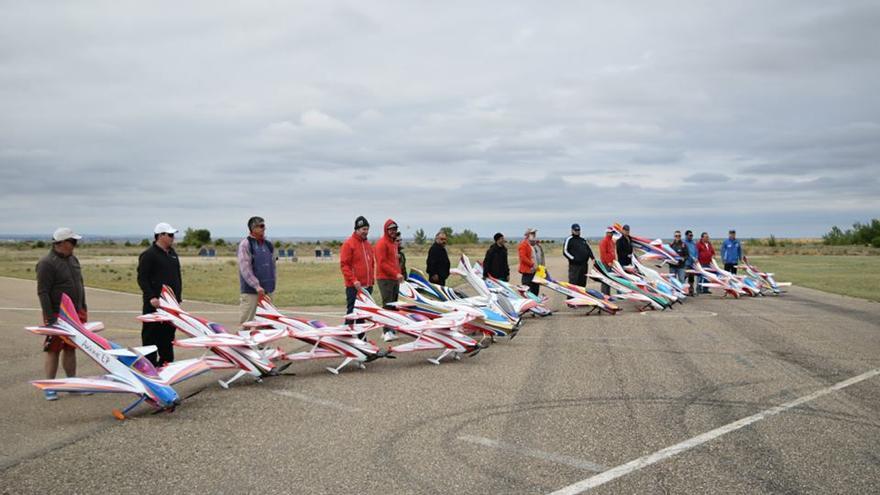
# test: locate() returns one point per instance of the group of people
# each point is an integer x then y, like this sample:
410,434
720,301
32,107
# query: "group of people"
362,264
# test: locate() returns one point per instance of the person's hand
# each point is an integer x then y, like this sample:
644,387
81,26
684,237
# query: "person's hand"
399,278
154,302
267,297
357,285
261,292
435,279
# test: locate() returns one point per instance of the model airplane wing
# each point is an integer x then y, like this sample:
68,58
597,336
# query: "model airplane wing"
217,340
179,371
97,384
264,336
580,302
55,331
418,345
154,318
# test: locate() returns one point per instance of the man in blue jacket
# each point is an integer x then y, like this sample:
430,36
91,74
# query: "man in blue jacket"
692,256
731,252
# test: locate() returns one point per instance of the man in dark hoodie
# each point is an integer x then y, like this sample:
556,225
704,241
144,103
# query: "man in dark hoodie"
625,248
388,275
437,264
495,262
158,266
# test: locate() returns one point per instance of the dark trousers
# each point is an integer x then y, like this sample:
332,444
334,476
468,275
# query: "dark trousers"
577,275
730,267
351,296
690,278
606,289
160,335
527,280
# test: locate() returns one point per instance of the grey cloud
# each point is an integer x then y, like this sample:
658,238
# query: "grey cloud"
706,178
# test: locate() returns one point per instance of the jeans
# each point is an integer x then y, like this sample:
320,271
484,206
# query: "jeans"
678,272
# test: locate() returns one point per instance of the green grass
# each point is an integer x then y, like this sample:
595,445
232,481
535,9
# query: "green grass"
855,276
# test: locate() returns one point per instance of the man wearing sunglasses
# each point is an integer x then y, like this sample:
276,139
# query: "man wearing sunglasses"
256,268
158,266
59,273
681,250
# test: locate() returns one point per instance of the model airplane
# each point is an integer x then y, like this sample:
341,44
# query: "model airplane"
245,351
417,295
715,280
766,280
442,333
661,284
327,342
626,288
514,293
128,371
654,250
577,296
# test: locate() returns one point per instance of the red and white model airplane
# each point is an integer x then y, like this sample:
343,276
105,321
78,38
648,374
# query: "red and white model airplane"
442,333
327,342
244,351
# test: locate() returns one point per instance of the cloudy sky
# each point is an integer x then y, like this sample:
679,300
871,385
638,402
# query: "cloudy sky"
761,115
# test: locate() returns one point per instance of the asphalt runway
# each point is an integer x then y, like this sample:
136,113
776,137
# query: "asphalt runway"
633,403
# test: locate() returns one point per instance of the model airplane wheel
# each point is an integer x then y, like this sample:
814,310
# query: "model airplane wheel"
118,415
456,356
362,366
223,384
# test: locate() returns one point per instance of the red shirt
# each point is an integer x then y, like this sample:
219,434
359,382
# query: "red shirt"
387,264
357,261
705,253
607,250
526,257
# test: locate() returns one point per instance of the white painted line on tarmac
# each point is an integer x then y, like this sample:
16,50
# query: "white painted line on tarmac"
645,461
314,400
133,312
535,453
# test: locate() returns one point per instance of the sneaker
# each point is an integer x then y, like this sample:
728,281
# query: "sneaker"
389,336
50,395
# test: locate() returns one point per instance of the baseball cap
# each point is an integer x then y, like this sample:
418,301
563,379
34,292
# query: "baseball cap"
63,234
609,230
626,227
530,231
575,226
164,228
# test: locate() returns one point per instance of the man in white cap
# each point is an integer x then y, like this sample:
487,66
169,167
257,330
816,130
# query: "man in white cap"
59,273
158,266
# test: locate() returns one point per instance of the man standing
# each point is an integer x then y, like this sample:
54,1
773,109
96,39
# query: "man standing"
625,248
705,253
388,274
691,258
158,266
527,263
731,252
495,261
681,250
357,263
577,251
59,273
438,260
607,254
256,268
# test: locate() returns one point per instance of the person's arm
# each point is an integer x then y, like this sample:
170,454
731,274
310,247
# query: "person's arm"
45,277
590,254
144,269
246,266
345,264
487,260
565,252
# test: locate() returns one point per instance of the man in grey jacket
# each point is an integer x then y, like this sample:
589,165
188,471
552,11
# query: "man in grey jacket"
59,273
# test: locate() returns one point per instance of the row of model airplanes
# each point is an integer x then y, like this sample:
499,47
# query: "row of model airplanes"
438,318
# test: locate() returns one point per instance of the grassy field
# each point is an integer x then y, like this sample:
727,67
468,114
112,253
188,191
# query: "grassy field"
857,276
320,283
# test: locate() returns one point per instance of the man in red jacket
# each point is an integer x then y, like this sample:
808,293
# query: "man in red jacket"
705,253
527,263
357,263
388,274
607,254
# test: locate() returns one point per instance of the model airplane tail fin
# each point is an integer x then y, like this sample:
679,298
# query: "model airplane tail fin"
365,299
265,307
67,312
169,298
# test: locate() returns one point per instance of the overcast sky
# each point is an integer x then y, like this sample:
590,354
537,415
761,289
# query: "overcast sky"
761,115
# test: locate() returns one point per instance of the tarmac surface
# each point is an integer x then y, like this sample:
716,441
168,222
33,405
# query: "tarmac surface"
571,398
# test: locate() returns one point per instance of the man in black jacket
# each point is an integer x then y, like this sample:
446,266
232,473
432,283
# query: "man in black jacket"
495,262
625,248
158,266
437,264
577,251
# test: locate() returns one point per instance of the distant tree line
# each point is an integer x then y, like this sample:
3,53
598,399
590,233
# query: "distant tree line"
867,233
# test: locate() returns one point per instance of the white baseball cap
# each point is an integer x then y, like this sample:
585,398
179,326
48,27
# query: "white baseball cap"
64,233
164,228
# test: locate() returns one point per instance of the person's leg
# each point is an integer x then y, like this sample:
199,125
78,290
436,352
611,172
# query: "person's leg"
68,360
681,275
572,273
350,295
606,289
50,364
166,347
247,307
148,337
582,276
